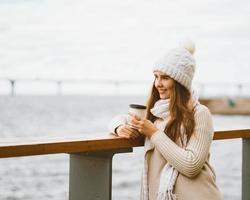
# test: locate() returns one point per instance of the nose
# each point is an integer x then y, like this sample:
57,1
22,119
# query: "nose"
158,83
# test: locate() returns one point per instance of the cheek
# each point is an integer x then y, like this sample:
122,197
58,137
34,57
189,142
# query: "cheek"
169,84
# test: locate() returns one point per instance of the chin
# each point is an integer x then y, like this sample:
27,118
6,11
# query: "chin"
164,97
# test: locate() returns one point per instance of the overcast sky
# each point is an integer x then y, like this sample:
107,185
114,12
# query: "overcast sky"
120,40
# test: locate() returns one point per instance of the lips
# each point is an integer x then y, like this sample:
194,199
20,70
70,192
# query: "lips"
161,91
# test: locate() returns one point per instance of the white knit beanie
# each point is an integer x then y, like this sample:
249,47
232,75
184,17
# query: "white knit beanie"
179,64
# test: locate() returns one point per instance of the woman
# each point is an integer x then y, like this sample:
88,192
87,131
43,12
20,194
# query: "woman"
178,133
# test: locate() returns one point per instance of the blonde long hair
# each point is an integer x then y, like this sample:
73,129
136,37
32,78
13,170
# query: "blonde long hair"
181,114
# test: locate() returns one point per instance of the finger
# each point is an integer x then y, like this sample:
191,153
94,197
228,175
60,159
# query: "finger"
123,131
133,133
129,127
132,127
135,122
135,128
135,117
125,135
129,131
136,133
126,131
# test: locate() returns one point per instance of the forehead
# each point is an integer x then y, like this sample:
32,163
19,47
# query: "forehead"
159,73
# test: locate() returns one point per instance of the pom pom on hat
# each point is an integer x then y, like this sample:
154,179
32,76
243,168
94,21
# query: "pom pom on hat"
189,45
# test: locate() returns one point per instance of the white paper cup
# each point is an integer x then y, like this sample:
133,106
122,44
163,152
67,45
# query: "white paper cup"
138,110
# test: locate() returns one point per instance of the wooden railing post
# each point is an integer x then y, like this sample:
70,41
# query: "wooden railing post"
90,176
245,168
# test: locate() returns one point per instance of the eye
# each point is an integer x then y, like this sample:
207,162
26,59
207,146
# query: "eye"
166,77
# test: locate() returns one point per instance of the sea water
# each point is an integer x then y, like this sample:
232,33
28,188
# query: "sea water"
46,177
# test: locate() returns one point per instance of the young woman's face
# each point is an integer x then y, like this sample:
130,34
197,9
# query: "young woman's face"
163,84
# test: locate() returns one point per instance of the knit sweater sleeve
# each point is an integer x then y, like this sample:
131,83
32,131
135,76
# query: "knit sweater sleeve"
188,161
115,122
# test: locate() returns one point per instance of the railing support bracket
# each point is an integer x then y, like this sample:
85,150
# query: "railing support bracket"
245,168
90,176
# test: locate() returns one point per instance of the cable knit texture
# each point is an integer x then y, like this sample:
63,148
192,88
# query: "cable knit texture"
188,161
196,179
179,64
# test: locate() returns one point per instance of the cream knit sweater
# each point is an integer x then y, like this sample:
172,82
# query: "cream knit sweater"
196,180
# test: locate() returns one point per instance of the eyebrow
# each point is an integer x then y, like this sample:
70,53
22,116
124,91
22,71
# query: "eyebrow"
164,75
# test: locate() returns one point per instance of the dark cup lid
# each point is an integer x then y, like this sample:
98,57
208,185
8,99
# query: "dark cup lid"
137,106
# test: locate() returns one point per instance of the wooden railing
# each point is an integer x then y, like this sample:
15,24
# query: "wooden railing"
91,160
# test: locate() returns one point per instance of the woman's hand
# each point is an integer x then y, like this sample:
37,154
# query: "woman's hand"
144,126
127,132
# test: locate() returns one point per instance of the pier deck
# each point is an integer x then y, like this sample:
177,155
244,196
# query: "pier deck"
227,106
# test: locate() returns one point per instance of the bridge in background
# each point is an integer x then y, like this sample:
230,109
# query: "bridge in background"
220,98
140,87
